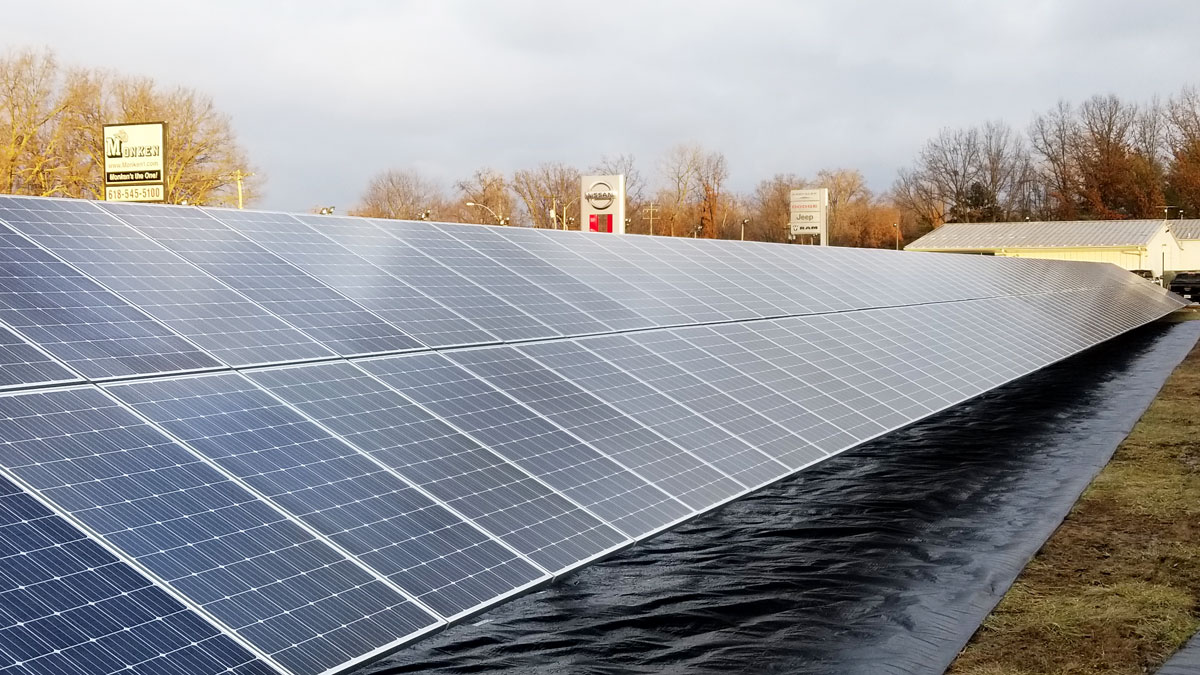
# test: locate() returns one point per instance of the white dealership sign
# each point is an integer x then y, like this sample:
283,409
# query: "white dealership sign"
135,162
809,213
602,204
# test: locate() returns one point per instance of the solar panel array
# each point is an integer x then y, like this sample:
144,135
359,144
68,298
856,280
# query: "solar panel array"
244,442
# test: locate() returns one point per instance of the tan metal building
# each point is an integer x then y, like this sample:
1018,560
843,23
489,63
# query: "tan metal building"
1132,244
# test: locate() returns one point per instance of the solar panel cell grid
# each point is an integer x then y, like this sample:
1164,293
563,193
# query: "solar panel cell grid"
552,248
658,370
595,302
576,470
499,318
650,407
21,364
499,497
320,312
308,247
341,493
69,606
522,293
739,295
279,588
82,324
190,302
635,446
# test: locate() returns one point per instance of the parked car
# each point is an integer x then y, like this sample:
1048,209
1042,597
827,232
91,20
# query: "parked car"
1187,284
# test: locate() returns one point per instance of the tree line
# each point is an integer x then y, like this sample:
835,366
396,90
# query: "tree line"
1104,158
687,194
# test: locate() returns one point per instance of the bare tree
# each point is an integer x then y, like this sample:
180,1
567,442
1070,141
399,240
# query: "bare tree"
1183,137
847,189
968,175
38,155
1053,138
711,173
770,207
550,193
488,191
402,194
679,169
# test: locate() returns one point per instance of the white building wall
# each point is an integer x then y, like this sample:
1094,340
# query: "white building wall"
1189,257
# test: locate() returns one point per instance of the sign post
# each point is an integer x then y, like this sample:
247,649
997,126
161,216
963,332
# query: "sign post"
810,213
602,204
135,162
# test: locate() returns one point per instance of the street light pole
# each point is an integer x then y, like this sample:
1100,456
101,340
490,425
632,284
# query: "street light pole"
499,220
744,221
555,216
897,226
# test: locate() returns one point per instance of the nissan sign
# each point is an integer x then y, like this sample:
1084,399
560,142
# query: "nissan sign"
602,204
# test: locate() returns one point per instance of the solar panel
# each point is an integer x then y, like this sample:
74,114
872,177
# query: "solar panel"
341,493
190,302
788,293
593,302
67,605
652,408
501,498
246,565
578,471
636,447
552,248
779,401
518,291
80,323
797,378
310,513
728,290
22,364
387,296
487,310
883,404
624,259
656,370
322,313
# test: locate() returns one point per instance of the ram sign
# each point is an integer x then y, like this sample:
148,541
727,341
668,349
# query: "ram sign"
809,213
135,162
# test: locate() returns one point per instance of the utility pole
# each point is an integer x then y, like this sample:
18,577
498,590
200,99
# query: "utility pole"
238,176
651,210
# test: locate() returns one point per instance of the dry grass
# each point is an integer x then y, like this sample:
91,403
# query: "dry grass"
1116,589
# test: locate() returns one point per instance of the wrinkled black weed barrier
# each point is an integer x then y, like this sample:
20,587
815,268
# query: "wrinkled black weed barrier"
881,560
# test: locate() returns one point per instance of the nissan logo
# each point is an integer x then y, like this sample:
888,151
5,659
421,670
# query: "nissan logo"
600,195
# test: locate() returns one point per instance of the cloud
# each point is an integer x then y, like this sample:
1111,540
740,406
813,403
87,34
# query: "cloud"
324,95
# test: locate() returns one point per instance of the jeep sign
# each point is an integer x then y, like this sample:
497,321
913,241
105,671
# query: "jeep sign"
809,213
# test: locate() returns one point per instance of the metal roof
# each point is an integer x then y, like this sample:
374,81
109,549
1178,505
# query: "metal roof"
1041,234
1186,229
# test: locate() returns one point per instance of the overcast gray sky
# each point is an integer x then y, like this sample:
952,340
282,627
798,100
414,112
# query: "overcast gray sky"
325,94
